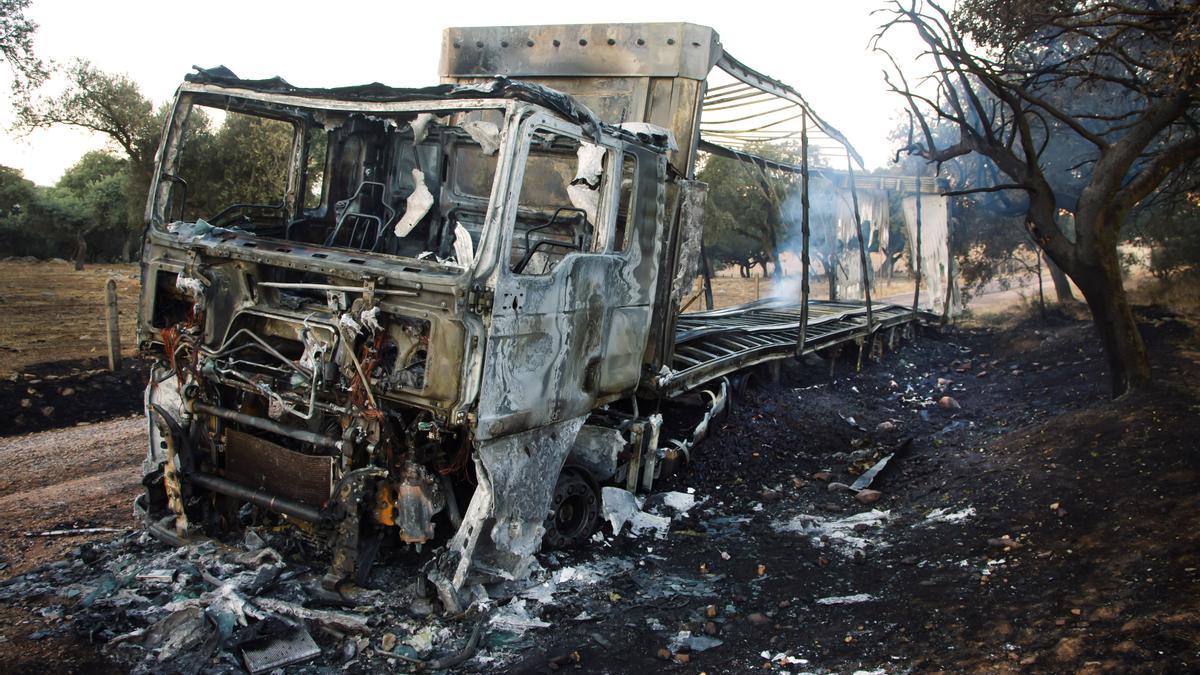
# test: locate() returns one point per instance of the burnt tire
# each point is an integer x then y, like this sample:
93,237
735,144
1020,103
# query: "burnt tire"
574,511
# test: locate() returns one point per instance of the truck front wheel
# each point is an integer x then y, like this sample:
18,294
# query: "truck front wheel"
574,511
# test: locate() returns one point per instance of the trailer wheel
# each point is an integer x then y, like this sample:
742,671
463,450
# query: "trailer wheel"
573,513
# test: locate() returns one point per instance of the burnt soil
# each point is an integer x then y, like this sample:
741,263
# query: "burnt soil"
58,394
1063,535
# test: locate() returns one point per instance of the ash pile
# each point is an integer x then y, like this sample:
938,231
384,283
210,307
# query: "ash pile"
257,605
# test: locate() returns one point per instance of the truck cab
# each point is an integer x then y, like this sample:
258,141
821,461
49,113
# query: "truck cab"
447,302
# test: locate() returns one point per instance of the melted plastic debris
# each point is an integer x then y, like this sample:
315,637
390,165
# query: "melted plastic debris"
486,134
619,507
693,643
417,205
515,618
190,285
946,516
370,319
584,190
464,248
420,127
846,599
653,133
840,534
679,502
346,321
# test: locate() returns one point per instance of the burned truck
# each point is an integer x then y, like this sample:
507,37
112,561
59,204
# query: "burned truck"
458,316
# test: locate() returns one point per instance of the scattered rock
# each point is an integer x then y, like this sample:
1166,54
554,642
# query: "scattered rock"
1068,649
868,496
421,607
1007,543
1107,612
710,611
948,403
388,642
664,653
825,476
885,426
26,403
710,628
48,411
759,619
838,487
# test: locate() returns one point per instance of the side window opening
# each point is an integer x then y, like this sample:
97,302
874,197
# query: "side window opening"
316,152
558,207
625,203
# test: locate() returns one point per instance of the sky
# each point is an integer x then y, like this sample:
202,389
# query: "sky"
819,47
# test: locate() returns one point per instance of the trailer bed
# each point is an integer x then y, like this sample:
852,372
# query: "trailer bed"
712,344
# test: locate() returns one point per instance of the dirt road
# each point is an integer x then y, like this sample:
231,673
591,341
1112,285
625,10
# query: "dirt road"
80,477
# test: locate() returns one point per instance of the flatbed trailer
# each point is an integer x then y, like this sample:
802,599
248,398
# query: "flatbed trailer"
718,343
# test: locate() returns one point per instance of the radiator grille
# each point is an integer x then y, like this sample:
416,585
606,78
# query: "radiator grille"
265,466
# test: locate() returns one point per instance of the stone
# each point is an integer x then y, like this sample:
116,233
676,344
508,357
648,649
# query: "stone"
758,619
825,476
948,403
838,487
388,642
1068,649
885,426
710,628
1007,543
868,496
664,653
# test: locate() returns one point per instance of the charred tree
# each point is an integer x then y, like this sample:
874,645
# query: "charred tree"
1084,107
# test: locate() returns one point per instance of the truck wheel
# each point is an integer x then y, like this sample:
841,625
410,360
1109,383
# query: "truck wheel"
573,513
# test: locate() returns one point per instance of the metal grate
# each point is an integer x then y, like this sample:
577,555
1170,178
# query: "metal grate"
283,651
262,465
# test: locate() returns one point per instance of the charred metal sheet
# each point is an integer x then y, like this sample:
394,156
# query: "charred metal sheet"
691,234
503,525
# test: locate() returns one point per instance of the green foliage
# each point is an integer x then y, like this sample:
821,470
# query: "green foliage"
16,45
1171,230
245,161
88,203
742,221
106,103
102,198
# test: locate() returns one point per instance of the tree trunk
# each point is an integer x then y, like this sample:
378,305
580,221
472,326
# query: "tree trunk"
1062,285
80,252
1100,282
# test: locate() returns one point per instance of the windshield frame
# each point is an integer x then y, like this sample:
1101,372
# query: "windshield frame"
302,112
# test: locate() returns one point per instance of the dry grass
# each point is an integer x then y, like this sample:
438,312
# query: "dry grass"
50,312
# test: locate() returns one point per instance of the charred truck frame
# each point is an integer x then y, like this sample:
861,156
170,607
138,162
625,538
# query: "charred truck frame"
461,310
